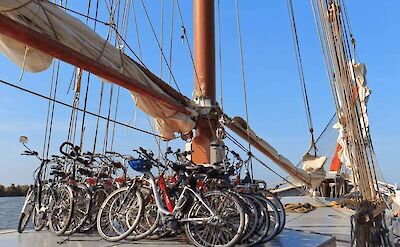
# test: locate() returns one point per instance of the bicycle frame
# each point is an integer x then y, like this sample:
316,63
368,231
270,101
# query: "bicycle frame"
180,202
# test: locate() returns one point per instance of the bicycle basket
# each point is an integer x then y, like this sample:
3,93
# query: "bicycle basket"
139,165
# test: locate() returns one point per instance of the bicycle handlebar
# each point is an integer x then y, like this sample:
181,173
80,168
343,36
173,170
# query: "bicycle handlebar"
67,144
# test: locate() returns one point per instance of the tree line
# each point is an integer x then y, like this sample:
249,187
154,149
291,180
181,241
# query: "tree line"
13,190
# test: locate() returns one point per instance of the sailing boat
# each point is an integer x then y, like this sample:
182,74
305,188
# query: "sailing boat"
33,32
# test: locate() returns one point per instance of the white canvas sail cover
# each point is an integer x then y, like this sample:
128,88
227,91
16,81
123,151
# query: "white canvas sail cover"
53,22
27,58
312,178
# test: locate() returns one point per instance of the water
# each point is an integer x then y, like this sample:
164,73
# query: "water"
10,208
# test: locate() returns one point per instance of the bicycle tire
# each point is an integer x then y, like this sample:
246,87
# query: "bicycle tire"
106,211
26,211
64,193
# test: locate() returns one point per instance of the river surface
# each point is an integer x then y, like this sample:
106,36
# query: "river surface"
10,208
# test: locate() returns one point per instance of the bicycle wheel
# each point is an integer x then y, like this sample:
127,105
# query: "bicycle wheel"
40,215
252,217
27,210
278,204
99,194
225,228
274,219
120,214
82,200
61,209
262,224
150,218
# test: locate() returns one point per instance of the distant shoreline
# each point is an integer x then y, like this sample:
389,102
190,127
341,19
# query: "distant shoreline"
13,190
11,196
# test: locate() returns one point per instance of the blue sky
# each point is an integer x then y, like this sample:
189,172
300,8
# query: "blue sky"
276,110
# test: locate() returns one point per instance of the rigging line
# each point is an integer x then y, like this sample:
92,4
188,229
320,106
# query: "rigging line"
324,48
48,112
171,38
115,118
241,146
79,109
137,30
96,20
72,79
187,42
105,144
87,16
52,110
243,76
109,33
157,139
125,21
301,72
162,38
116,43
75,122
98,118
88,78
220,54
159,45
193,63
74,113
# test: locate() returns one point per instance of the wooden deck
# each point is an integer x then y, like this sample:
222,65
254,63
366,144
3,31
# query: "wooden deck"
12,238
323,227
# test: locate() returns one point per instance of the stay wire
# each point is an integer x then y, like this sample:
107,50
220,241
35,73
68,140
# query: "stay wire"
111,94
301,72
220,55
159,45
241,146
187,42
171,38
48,112
162,38
53,107
83,127
239,33
193,63
79,109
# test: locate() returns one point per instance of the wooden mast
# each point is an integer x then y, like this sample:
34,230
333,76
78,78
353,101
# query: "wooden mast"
204,92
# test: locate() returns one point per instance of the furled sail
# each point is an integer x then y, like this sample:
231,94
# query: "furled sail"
77,44
312,178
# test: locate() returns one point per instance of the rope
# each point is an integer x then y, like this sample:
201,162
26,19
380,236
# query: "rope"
105,144
98,118
185,37
220,55
48,114
52,109
162,38
79,109
242,147
159,45
137,30
89,74
115,118
301,73
171,38
243,78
